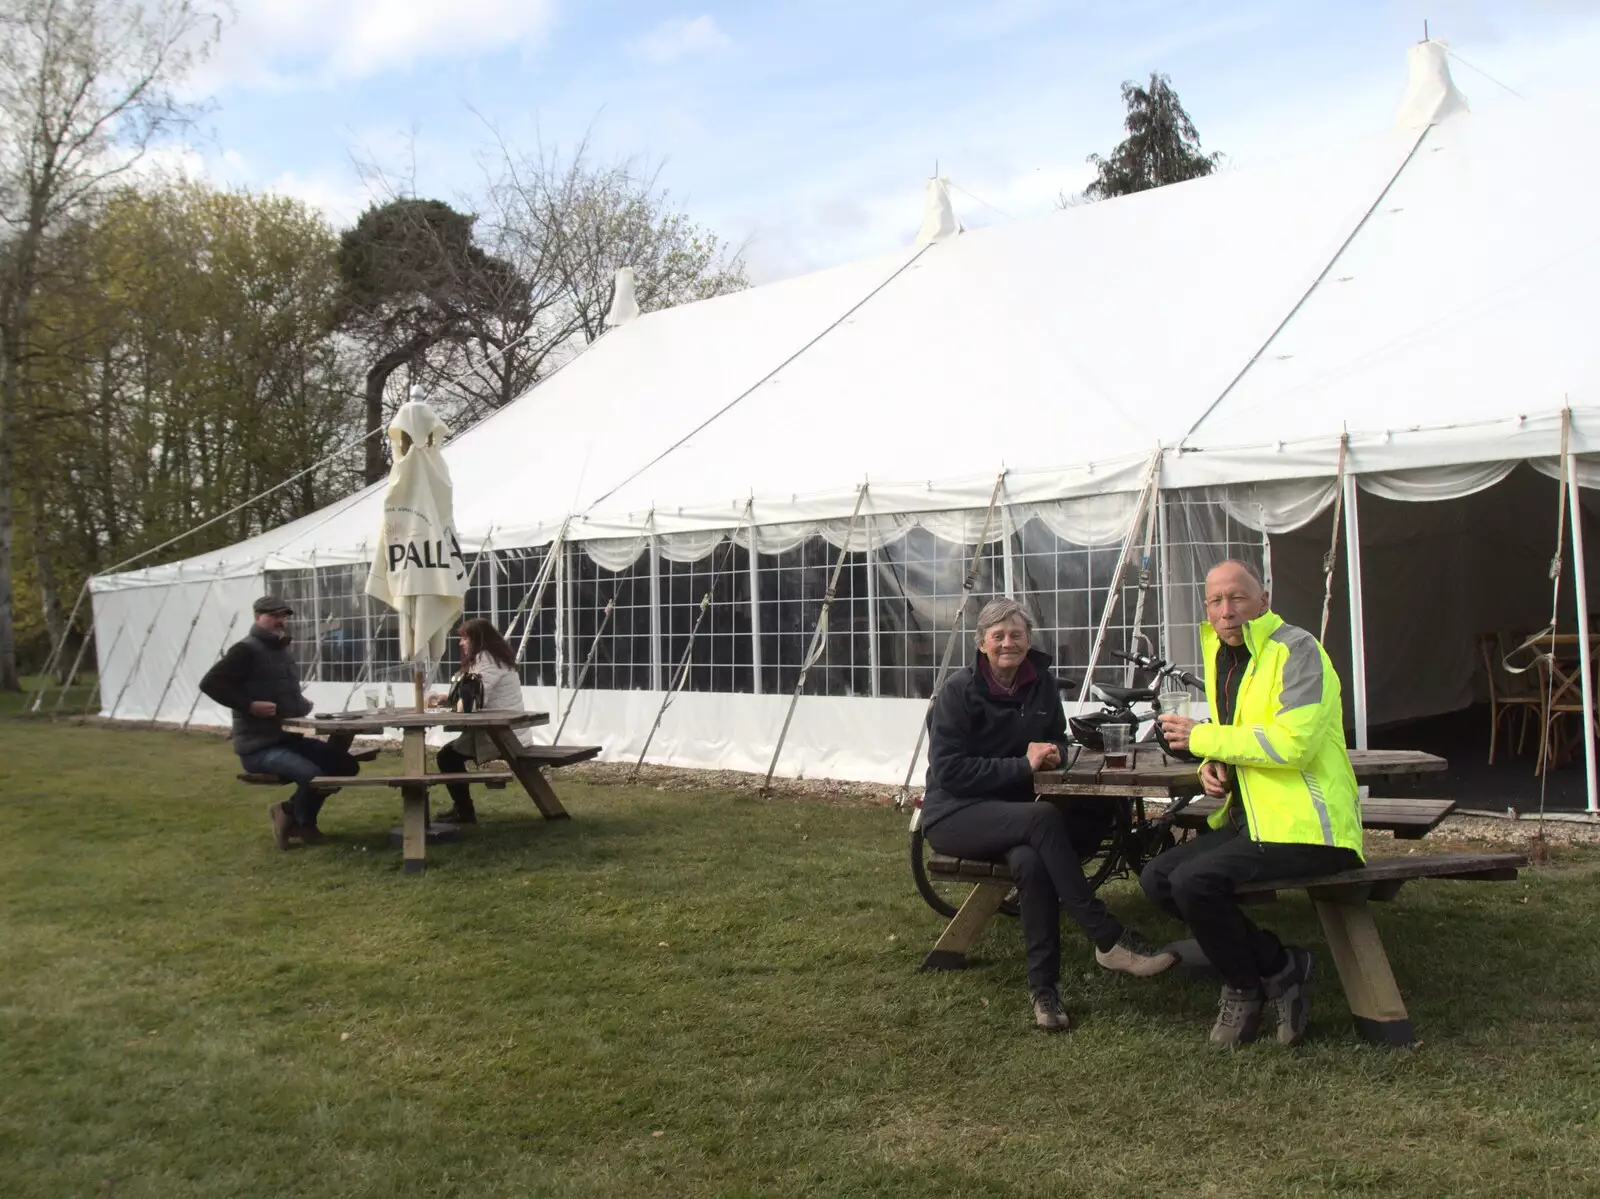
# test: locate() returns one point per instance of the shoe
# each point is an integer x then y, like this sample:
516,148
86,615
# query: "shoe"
1289,992
1132,954
1238,1018
282,825
1049,1013
308,833
457,815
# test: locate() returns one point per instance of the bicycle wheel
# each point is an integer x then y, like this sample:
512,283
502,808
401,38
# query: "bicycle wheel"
1110,858
944,897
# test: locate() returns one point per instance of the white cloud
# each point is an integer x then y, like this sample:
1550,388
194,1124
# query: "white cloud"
284,43
678,38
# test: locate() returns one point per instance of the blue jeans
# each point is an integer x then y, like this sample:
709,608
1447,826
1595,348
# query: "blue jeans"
299,760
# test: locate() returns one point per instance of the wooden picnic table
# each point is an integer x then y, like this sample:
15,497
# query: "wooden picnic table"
342,728
1153,774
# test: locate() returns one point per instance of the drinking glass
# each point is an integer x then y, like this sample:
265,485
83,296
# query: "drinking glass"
1174,703
1115,739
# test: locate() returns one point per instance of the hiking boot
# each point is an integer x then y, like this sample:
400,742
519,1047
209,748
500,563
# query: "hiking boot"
1049,1013
1289,992
459,814
1238,1018
1132,954
282,825
309,833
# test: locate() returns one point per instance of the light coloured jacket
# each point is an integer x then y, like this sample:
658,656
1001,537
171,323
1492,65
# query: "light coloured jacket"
502,690
1286,739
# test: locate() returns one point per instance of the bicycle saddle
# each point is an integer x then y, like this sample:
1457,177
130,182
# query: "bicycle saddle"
1126,696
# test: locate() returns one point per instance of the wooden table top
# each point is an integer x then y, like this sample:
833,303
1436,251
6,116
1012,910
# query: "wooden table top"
1155,774
370,723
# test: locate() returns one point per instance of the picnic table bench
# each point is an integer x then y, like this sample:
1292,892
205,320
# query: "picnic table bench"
1341,899
520,763
1341,902
1408,819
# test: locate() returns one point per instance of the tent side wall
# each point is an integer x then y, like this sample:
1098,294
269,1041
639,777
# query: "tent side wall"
153,645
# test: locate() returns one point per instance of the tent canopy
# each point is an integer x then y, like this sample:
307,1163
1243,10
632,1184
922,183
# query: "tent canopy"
1429,291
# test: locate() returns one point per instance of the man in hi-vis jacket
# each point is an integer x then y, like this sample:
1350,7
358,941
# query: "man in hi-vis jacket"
1274,750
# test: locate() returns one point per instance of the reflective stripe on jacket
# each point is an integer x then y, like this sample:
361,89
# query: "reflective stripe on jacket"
1286,739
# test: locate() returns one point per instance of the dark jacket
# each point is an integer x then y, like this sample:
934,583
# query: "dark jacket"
261,667
978,741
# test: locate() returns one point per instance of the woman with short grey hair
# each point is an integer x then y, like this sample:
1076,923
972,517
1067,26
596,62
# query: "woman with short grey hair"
993,725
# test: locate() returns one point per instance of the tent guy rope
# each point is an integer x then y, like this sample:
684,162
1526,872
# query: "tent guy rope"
1150,494
1330,560
681,671
819,637
594,646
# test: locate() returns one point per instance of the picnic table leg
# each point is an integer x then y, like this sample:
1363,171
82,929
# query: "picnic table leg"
950,952
1369,986
414,754
416,828
528,774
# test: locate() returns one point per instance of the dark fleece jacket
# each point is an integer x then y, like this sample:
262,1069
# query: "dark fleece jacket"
978,741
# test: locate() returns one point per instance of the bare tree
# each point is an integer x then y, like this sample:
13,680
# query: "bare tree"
564,225
86,86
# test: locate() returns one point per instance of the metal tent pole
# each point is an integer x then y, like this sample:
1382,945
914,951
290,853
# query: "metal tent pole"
195,704
1581,587
681,671
819,638
1358,629
183,649
139,657
115,641
1113,593
57,649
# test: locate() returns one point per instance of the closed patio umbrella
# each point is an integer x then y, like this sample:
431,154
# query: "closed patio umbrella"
419,570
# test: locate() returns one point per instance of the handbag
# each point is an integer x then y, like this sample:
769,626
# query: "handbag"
466,693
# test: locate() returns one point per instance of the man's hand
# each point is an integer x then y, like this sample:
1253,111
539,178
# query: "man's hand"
1214,778
1176,730
263,707
1043,756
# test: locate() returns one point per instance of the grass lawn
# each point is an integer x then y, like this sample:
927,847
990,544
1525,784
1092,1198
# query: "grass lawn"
678,994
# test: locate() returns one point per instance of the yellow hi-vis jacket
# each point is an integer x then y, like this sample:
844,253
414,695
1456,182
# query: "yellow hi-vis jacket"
1286,740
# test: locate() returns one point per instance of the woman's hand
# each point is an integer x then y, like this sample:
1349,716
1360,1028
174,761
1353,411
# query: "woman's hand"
1176,730
1214,778
1043,756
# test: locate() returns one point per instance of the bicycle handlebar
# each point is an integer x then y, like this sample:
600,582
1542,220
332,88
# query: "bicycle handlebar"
1161,669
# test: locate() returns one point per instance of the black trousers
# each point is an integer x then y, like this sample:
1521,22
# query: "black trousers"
453,761
1195,883
1044,849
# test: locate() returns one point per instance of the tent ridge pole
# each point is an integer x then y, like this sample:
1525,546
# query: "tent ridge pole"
1358,630
1581,588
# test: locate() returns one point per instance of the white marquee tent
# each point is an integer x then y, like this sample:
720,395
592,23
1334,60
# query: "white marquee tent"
1428,294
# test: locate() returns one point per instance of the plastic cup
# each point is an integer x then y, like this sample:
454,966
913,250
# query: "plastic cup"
372,699
1174,703
1115,739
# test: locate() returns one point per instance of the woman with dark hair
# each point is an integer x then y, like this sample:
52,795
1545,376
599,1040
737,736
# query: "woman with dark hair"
484,652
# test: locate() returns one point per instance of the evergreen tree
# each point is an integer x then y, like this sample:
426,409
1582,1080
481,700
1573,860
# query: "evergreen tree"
1162,145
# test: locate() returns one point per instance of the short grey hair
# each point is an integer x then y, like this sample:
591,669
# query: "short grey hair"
998,611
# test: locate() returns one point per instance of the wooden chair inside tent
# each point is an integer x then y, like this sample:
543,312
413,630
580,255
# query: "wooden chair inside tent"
1510,695
1561,695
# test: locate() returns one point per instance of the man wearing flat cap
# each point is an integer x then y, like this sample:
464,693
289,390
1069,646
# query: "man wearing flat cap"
258,679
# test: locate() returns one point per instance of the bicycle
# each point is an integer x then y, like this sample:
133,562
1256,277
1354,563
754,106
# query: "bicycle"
1133,836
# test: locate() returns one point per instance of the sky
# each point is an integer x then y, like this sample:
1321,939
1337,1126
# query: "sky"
803,130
